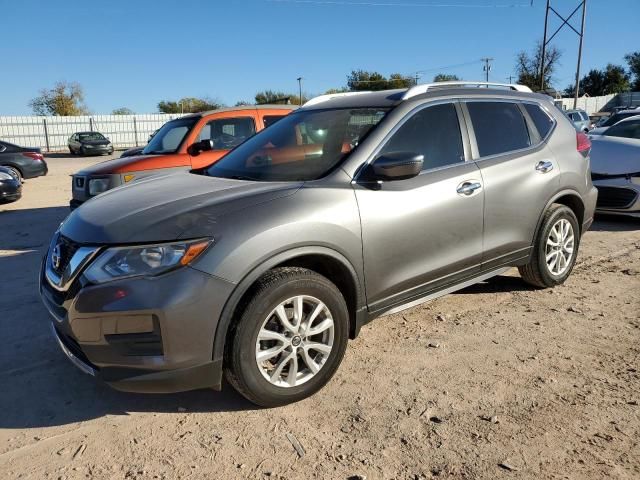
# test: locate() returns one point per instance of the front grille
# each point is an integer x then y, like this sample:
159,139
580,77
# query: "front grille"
614,197
67,249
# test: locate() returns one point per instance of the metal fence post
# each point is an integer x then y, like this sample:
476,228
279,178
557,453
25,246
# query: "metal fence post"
46,134
90,124
135,130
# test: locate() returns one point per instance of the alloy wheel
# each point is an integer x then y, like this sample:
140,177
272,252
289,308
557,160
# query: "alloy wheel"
559,247
295,341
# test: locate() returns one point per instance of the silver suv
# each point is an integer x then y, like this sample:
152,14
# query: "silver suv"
262,265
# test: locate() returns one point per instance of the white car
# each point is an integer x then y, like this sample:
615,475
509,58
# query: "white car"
613,120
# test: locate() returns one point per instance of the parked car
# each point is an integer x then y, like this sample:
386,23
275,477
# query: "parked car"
263,264
580,120
24,162
10,186
615,165
612,120
89,143
191,141
132,152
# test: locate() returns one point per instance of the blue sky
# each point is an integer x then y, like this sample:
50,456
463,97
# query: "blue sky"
136,53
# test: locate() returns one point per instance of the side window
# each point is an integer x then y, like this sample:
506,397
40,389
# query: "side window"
585,117
541,119
227,133
271,119
433,132
628,129
499,127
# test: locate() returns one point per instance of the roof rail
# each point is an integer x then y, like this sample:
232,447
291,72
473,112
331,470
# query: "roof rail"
425,87
329,96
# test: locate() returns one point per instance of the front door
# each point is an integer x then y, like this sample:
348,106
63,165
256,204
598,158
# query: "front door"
424,233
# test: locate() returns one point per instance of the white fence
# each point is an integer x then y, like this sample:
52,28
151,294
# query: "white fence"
588,104
52,133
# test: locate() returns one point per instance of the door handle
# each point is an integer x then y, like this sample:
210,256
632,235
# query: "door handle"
544,166
467,188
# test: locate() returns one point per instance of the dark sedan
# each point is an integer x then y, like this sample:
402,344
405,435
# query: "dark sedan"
89,143
24,162
10,186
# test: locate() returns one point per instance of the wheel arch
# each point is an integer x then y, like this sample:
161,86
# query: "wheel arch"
323,260
13,165
569,198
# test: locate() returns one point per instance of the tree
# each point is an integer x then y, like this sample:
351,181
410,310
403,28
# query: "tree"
359,80
276,97
122,111
336,90
64,99
445,77
613,79
633,60
189,105
528,66
241,103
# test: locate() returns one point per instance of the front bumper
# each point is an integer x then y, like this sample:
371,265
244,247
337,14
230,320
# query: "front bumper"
618,196
97,150
10,191
145,334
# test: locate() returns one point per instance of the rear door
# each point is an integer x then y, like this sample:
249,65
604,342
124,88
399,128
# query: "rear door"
519,173
422,233
226,132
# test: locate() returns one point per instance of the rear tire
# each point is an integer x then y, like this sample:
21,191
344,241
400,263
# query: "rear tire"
16,174
555,248
290,338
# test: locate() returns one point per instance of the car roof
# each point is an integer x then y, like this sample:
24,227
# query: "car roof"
241,108
80,133
628,110
392,98
628,119
573,110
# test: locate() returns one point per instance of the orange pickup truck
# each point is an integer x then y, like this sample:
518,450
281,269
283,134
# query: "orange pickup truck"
189,142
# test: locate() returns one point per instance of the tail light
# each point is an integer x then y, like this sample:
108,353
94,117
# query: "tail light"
583,144
34,155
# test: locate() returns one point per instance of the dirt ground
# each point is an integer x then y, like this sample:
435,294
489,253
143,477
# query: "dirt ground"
497,381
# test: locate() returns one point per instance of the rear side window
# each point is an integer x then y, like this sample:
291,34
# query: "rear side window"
541,119
227,133
499,127
271,119
433,132
628,129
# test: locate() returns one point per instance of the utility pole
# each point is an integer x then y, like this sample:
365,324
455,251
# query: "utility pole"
487,67
300,89
546,41
510,78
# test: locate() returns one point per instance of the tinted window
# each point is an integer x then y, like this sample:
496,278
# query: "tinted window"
433,132
541,119
499,127
628,129
227,133
302,146
90,136
585,117
616,117
8,147
271,119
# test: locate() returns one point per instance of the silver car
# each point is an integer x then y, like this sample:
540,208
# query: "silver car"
615,165
262,266
580,120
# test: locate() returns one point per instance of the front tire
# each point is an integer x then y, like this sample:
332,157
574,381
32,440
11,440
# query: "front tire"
290,338
555,249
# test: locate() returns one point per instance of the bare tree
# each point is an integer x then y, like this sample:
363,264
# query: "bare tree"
528,66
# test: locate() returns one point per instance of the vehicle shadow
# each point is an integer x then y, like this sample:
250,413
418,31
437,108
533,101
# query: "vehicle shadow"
614,223
40,387
497,284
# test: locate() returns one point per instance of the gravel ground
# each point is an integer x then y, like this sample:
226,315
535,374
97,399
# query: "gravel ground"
496,381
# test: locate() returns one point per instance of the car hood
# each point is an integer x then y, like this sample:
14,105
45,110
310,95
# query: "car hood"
136,163
95,142
615,155
161,208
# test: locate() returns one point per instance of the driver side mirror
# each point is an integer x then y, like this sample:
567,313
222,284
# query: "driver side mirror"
396,166
201,146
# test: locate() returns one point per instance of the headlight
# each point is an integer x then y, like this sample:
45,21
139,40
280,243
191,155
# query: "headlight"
98,185
146,260
5,176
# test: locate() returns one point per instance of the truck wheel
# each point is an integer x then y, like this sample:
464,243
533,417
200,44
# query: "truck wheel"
555,249
290,338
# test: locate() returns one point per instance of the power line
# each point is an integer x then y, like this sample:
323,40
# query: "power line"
402,4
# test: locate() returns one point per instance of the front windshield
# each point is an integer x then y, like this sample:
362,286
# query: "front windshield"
90,136
302,146
616,117
170,136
